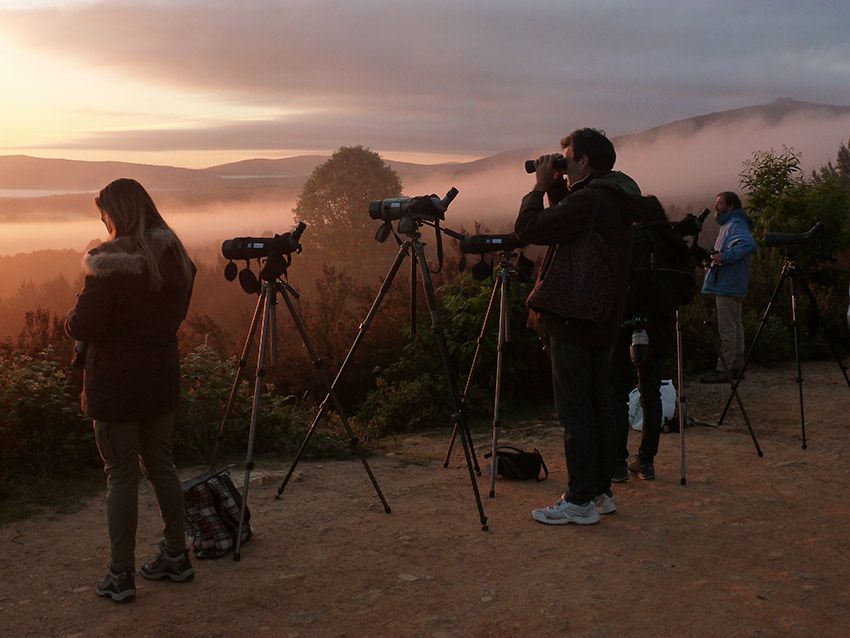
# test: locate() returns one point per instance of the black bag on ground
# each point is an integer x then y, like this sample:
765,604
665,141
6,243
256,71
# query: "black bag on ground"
213,505
518,465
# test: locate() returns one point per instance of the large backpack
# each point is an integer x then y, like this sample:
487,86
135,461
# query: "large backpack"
661,277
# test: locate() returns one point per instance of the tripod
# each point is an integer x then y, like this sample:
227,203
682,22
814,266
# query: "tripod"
502,288
792,272
265,315
732,382
411,245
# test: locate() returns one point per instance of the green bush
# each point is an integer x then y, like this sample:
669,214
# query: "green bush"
42,431
412,393
281,421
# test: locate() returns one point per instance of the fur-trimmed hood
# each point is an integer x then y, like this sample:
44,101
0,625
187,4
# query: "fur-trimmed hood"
121,256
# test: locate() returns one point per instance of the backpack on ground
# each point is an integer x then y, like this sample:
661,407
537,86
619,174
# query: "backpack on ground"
213,506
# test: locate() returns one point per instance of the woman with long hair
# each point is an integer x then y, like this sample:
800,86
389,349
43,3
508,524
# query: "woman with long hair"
136,294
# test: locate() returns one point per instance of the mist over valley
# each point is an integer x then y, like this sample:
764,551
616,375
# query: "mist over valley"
48,203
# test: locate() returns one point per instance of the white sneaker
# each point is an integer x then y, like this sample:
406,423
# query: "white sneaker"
564,512
605,503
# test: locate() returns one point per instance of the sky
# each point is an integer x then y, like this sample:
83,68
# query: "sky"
198,83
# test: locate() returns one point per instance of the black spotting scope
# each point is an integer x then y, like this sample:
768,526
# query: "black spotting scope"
256,247
792,239
421,207
481,244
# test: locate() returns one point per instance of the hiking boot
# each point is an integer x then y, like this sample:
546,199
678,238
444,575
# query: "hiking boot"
117,585
175,567
563,512
644,471
715,376
620,474
604,503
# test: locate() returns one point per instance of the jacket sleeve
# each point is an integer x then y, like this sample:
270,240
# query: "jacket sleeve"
562,222
739,244
89,319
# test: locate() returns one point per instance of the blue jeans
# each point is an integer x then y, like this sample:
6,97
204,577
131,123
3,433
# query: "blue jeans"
580,379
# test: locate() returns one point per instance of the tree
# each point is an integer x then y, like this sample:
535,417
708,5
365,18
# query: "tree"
335,200
782,199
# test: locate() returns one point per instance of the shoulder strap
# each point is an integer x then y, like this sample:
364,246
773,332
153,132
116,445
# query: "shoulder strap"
543,465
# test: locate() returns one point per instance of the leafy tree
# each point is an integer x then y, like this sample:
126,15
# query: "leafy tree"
781,198
335,200
839,171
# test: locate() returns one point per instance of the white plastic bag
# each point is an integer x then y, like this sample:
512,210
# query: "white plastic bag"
668,405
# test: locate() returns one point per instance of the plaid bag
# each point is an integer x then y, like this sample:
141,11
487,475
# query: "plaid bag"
213,505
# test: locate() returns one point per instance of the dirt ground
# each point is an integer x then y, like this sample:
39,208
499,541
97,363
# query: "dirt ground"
748,546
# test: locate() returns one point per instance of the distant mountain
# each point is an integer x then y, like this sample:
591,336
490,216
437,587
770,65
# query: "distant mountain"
772,114
299,166
21,172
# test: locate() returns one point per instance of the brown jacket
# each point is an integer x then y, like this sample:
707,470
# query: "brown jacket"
132,365
615,198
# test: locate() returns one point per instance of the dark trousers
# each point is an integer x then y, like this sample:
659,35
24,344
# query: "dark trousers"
580,378
126,448
624,377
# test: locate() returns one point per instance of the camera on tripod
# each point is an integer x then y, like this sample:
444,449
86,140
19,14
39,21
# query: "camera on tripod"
277,252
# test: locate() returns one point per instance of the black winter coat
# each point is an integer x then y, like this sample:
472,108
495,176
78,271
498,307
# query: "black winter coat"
615,199
132,365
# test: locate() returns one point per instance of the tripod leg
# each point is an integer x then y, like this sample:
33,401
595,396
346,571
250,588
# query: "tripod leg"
472,367
504,319
735,382
797,357
412,298
240,368
440,337
682,400
255,409
402,251
319,365
826,333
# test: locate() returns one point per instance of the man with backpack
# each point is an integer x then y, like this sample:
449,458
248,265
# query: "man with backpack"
660,280
590,211
728,279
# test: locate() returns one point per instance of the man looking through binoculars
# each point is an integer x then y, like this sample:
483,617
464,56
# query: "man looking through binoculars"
586,197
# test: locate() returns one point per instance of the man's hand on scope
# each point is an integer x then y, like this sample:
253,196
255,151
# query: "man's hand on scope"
544,171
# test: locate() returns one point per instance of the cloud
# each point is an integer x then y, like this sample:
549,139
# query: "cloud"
445,76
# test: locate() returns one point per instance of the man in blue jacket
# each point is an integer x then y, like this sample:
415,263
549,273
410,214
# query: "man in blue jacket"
727,279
